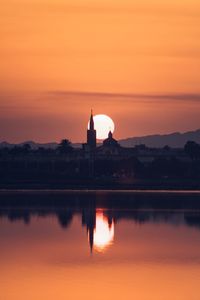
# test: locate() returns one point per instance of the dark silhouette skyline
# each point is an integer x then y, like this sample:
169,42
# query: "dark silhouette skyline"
106,165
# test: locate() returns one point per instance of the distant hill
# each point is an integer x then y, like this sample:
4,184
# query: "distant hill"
174,140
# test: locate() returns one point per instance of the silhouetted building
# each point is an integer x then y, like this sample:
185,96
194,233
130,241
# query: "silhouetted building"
110,141
91,133
110,149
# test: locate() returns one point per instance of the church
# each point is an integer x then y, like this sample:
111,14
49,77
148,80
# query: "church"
109,148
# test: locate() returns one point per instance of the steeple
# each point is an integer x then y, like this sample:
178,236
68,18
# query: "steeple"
110,136
91,133
91,238
91,121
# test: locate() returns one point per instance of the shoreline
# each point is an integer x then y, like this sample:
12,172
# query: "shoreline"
98,191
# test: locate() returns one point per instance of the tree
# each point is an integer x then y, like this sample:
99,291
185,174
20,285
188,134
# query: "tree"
26,148
65,147
192,149
166,148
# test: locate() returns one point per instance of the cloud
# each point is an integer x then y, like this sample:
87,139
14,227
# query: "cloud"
103,95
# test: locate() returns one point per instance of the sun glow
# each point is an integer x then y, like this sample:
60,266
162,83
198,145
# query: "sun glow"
103,233
103,124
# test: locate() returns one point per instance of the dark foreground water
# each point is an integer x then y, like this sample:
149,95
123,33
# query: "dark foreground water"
99,246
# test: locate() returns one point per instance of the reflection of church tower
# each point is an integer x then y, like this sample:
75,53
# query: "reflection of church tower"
100,228
91,133
89,219
91,236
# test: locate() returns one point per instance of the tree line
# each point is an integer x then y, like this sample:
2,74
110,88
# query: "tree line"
191,148
64,147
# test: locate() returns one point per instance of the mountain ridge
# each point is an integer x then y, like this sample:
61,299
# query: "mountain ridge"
174,140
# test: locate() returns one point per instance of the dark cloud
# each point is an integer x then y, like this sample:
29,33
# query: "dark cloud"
170,96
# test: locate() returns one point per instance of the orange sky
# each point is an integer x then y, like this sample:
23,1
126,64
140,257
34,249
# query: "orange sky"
137,61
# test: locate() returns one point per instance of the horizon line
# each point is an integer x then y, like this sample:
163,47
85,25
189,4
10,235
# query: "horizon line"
100,141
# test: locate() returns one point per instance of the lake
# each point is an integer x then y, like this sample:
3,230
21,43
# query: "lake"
99,245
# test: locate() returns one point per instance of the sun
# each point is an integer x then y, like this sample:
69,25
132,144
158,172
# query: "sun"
103,124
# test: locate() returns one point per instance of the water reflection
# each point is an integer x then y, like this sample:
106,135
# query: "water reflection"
100,228
137,253
100,223
103,232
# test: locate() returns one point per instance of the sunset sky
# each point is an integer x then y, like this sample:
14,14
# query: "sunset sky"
136,61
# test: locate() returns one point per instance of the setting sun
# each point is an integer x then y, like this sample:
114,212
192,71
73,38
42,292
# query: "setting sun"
103,124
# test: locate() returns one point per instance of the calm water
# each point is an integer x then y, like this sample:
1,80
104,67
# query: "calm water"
86,249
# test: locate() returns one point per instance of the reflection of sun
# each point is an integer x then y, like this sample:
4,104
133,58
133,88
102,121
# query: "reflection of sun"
103,233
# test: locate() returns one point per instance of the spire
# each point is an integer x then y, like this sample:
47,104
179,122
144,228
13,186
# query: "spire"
110,134
91,121
91,239
91,133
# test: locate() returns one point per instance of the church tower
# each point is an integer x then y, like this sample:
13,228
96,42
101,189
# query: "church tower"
91,133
